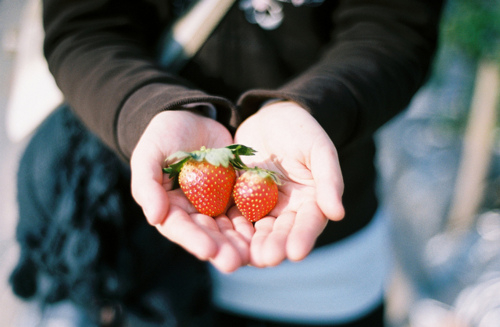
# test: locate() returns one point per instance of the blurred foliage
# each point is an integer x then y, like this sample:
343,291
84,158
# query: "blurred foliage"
474,27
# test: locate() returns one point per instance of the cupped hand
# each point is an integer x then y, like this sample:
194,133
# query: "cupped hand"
220,240
289,141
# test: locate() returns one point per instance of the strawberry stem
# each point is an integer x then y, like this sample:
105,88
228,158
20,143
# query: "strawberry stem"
240,150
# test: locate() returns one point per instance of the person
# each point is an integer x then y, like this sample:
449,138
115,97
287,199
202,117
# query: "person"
307,92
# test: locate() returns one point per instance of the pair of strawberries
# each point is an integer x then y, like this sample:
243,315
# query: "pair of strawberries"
208,179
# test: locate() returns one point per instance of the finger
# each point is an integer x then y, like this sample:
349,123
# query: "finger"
156,205
325,168
230,246
147,185
177,198
263,228
274,248
241,224
308,225
237,249
180,228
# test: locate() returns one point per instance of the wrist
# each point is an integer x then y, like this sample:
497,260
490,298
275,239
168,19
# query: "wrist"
280,104
202,108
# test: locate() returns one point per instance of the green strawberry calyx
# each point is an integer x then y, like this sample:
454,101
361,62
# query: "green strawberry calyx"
264,174
229,155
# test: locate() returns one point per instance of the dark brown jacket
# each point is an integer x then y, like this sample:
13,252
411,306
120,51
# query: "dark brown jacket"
353,64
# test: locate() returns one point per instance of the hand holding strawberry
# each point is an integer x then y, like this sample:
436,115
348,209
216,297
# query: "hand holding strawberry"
292,142
289,140
221,241
207,178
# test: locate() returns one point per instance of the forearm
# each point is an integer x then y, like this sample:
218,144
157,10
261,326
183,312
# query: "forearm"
102,55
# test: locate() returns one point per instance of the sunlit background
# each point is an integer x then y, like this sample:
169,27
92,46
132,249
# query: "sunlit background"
440,180
439,169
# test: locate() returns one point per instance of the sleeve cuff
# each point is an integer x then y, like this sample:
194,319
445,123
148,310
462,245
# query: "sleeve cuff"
152,99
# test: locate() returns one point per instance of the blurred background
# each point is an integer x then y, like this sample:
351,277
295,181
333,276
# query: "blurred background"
440,180
439,167
10,307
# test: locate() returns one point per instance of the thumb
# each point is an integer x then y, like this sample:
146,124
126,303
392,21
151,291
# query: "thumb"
327,175
147,186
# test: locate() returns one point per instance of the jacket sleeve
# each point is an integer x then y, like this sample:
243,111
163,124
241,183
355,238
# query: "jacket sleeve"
102,55
380,54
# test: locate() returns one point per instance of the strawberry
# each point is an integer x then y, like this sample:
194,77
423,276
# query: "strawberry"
256,193
207,176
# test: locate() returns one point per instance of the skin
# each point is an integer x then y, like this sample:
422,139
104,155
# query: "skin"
288,140
291,142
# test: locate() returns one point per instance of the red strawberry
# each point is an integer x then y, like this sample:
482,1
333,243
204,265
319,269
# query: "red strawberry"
207,176
256,193
207,186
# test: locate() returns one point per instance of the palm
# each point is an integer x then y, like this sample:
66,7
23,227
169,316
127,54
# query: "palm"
290,142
